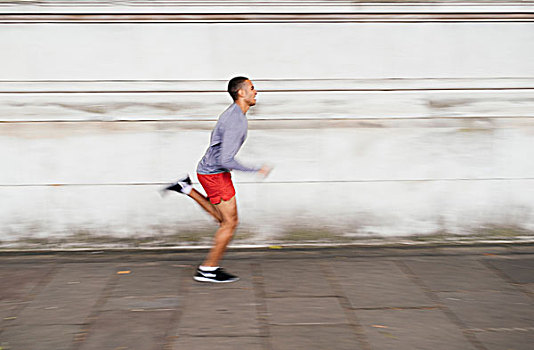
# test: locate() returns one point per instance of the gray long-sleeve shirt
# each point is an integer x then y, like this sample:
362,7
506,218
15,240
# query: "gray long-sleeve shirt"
227,138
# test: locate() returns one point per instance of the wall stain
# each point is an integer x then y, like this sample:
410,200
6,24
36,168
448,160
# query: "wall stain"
442,104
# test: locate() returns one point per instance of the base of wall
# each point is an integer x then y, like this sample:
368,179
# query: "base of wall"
292,239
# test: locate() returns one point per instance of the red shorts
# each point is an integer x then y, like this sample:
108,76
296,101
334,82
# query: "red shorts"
217,186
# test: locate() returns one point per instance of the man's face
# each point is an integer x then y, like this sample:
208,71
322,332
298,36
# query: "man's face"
249,93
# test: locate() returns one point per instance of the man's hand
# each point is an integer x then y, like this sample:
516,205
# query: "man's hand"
265,170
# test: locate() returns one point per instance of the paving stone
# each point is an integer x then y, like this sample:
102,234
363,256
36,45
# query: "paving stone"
378,284
455,274
507,340
219,343
128,330
226,309
316,337
141,303
38,338
8,310
519,270
55,310
68,298
524,249
18,280
153,280
487,309
299,278
218,314
82,274
305,310
530,288
411,329
474,251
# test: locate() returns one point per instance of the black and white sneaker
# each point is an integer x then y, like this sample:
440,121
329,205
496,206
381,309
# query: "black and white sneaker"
183,185
217,276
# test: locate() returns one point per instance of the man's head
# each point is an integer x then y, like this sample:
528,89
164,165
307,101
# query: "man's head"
241,88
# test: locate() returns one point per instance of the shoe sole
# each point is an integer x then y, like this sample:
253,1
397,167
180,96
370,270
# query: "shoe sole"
165,191
204,279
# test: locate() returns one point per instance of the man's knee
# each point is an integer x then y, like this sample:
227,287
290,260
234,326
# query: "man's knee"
230,223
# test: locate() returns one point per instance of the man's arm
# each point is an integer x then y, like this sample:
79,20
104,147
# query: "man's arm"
230,145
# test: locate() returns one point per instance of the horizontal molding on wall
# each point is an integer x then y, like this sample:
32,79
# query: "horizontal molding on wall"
268,182
527,16
466,124
263,7
264,85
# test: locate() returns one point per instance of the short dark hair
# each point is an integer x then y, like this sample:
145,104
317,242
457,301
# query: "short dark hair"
234,85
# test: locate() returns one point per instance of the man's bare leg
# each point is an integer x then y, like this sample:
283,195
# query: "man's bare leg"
223,236
206,205
185,186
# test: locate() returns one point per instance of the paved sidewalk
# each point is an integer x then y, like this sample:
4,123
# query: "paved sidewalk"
337,298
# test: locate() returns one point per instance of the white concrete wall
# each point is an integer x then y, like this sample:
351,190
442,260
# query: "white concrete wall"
154,51
375,129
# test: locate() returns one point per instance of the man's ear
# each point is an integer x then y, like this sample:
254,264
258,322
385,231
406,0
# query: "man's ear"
241,93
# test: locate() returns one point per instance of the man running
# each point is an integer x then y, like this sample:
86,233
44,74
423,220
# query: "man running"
213,173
